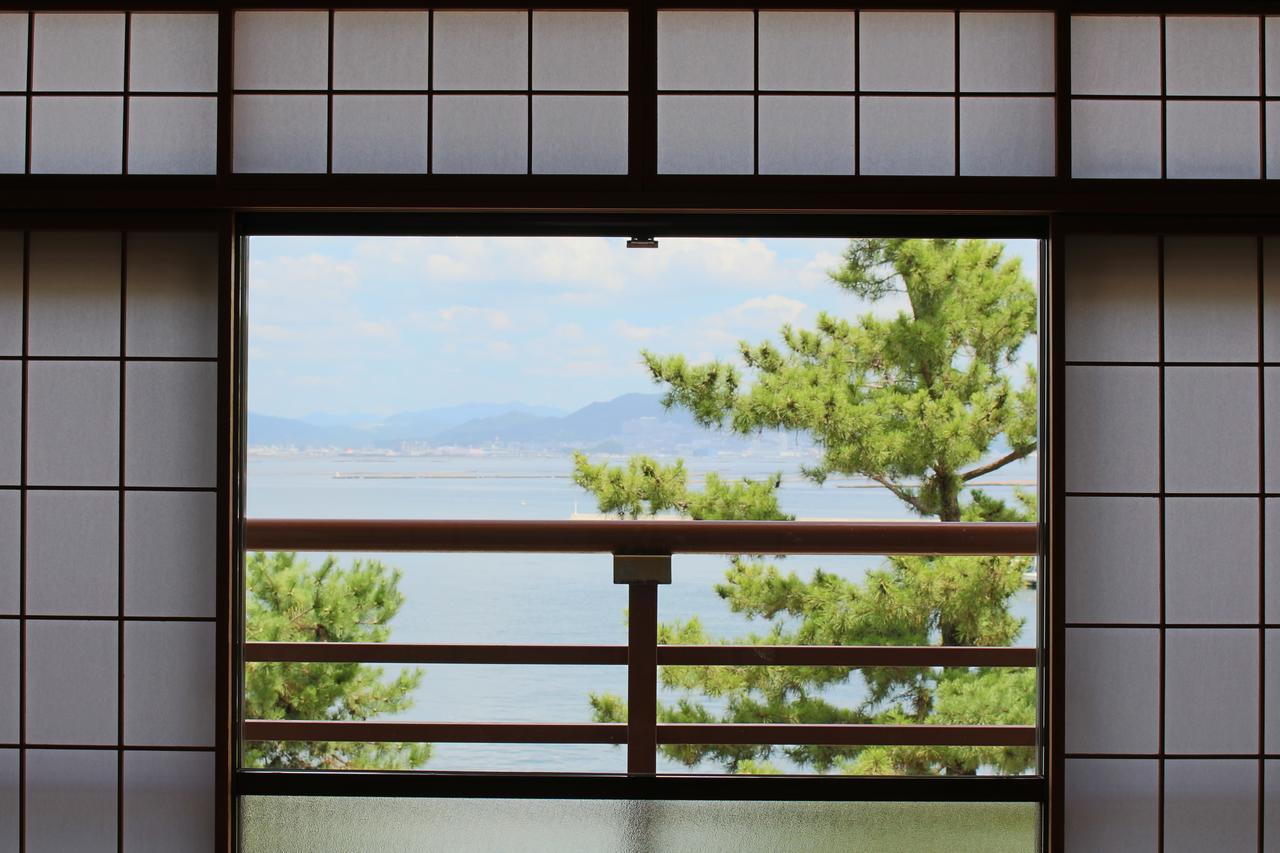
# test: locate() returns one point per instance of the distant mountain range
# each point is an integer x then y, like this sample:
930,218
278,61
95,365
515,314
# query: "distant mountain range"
631,423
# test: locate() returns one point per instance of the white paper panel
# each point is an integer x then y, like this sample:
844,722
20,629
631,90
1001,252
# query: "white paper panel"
1272,565
73,424
580,50
907,136
1271,787
705,135
77,136
1006,136
1115,139
1112,559
1212,139
173,136
1271,703
810,51
1211,298
1211,429
10,683
10,423
1112,690
73,575
172,305
480,134
78,52
10,536
1112,296
1271,298
1115,55
13,51
802,135
171,413
9,800
380,133
579,135
10,292
169,802
13,135
1272,59
1210,805
1273,139
705,50
170,553
281,50
1211,560
481,50
1112,423
381,50
74,291
907,51
1006,52
71,801
72,678
169,683
173,53
1271,395
280,133
1112,806
1211,56
1211,707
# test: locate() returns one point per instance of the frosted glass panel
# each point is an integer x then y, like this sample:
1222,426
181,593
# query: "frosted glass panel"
73,424
1112,559
1211,691
281,50
173,53
72,679
10,682
1112,429
1211,298
10,423
172,309
78,53
1111,805
381,50
173,136
170,552
705,135
481,50
317,824
71,801
907,51
1211,56
1113,55
1115,139
907,136
77,135
580,50
806,135
169,683
10,293
73,575
1211,560
1210,805
10,535
1006,52
480,134
1112,690
812,51
380,133
168,801
281,133
75,294
705,50
1211,429
13,51
1112,296
13,135
580,135
1006,136
172,414
1212,139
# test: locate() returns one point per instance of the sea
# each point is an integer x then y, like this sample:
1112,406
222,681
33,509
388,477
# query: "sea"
552,598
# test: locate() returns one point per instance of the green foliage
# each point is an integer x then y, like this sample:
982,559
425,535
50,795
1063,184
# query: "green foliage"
289,601
914,402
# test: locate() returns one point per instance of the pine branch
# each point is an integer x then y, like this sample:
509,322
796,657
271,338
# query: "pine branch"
901,493
995,465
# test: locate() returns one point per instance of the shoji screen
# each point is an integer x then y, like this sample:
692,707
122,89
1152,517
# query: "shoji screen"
108,362
1170,678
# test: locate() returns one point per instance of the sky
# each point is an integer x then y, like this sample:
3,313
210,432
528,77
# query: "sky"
377,325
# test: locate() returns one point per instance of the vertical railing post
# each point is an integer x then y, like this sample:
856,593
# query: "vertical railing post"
642,574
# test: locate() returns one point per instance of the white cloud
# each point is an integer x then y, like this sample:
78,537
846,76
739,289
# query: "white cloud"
639,334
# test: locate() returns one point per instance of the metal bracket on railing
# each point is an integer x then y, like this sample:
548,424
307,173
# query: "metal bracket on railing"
635,568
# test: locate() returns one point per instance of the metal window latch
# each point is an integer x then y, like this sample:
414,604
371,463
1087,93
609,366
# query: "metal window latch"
632,568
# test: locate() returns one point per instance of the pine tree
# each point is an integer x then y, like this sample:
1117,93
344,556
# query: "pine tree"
918,403
289,601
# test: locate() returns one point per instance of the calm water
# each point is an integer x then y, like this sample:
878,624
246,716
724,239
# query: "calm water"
544,598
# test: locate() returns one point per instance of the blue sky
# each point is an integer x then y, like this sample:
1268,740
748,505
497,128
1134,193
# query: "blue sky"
384,324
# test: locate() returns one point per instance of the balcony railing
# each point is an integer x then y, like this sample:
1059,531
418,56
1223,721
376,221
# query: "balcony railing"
642,560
